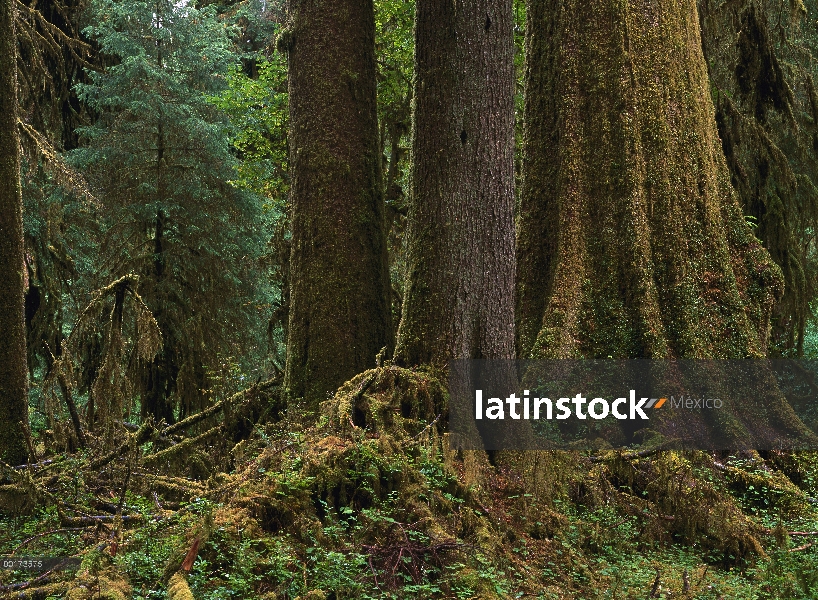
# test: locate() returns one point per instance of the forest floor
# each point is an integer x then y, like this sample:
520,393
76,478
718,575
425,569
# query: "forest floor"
368,500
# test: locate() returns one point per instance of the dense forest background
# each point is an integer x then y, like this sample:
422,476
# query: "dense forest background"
240,242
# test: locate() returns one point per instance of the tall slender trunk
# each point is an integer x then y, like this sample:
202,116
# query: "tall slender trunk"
13,371
634,242
459,289
158,378
340,313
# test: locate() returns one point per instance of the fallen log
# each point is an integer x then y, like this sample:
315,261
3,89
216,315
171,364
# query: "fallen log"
147,431
142,435
178,589
183,445
92,520
40,592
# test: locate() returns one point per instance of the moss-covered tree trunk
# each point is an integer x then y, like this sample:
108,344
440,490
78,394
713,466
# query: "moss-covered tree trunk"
761,66
13,380
458,299
340,314
631,240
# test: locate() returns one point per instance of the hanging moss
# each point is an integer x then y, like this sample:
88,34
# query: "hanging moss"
760,69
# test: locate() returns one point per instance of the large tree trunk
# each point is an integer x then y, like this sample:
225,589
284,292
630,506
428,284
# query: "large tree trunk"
761,70
13,382
340,314
459,289
632,240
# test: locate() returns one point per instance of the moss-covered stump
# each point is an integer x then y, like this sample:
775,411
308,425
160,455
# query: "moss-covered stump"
390,400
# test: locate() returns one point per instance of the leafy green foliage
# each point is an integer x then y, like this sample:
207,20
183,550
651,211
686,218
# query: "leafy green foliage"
257,109
159,161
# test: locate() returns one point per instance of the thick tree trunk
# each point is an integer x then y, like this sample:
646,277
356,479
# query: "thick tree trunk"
13,381
340,314
459,289
633,242
761,69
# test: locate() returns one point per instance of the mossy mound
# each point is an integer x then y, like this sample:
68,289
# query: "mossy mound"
389,400
375,474
97,578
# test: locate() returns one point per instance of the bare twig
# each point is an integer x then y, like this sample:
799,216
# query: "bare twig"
634,455
429,426
657,586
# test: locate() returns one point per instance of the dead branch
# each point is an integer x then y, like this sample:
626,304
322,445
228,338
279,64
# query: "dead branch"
143,435
43,534
799,548
634,455
657,586
39,465
183,445
216,408
407,555
42,578
23,590
429,426
93,520
178,485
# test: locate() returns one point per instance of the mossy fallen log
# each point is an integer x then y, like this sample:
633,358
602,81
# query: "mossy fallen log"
142,435
148,431
173,485
89,521
40,592
178,589
182,446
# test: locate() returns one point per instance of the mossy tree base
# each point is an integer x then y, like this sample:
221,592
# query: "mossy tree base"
631,239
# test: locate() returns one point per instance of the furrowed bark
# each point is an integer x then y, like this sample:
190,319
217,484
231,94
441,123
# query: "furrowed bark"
340,315
634,242
459,288
13,371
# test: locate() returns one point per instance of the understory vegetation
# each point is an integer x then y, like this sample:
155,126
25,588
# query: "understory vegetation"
370,501
168,456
